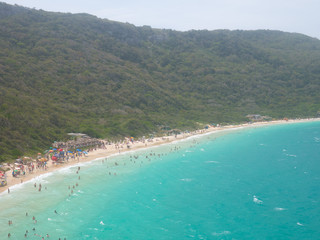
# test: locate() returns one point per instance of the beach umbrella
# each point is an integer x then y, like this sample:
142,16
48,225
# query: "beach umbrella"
70,152
50,150
79,150
85,152
54,149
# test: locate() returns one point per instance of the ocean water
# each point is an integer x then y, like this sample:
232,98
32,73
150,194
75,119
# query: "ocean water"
252,183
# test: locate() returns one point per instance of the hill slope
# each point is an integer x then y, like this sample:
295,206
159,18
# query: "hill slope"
64,73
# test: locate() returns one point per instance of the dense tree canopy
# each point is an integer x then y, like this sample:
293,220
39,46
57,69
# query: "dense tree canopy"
63,73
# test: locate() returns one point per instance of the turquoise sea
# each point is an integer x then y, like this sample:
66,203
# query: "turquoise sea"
251,183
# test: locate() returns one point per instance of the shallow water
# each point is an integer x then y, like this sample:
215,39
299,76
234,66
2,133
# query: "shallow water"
258,183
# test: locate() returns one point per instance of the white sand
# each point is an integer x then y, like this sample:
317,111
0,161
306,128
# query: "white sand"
111,149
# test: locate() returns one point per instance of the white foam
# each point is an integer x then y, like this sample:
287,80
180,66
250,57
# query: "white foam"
279,209
39,178
211,162
102,223
221,233
256,200
186,179
291,155
164,229
300,224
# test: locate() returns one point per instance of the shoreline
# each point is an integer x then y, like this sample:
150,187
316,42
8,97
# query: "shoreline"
113,150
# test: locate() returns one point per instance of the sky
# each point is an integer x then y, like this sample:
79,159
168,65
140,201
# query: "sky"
299,16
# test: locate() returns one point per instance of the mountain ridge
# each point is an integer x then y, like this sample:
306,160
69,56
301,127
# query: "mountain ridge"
62,72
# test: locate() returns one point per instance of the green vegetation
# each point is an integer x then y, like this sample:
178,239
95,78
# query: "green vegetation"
63,73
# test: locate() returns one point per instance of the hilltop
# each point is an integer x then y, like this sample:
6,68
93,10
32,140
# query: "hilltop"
63,73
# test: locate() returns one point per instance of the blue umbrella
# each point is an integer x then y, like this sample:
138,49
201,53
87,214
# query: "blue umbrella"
85,152
70,152
79,150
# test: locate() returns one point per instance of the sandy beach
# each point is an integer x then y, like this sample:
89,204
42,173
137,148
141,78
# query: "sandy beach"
112,149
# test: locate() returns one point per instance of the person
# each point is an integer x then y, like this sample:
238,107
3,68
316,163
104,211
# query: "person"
8,190
9,235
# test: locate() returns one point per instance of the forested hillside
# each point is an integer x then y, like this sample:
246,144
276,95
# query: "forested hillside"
63,73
